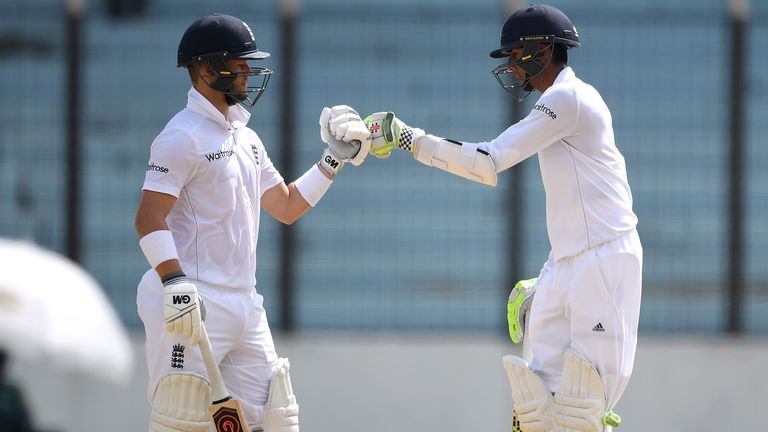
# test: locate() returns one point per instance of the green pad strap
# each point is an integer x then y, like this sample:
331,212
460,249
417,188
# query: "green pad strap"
610,418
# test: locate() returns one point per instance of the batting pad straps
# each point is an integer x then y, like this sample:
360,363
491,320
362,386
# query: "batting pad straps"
462,159
313,185
158,247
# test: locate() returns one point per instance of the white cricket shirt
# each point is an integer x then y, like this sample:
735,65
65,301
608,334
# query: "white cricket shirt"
585,178
218,170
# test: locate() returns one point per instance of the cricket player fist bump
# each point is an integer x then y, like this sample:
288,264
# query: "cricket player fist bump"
183,308
347,137
467,160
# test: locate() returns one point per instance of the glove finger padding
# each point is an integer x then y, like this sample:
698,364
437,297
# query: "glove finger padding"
351,130
337,118
325,116
194,331
182,309
178,326
345,133
346,126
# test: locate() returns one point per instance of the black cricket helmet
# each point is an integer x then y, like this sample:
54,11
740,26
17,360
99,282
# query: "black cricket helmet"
534,28
216,38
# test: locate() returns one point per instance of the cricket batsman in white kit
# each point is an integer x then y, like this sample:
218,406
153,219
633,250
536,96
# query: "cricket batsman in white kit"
208,178
583,318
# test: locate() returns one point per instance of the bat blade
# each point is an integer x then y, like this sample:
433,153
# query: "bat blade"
226,413
227,416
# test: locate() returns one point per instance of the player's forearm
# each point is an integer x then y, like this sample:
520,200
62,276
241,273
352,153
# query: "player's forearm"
297,205
147,222
285,203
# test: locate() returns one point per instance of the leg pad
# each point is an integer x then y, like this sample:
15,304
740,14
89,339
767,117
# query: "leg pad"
580,402
180,404
533,402
281,414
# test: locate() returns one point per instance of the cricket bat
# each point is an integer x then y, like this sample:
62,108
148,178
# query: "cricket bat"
226,414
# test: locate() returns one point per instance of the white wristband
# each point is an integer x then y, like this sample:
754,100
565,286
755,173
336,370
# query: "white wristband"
313,185
158,247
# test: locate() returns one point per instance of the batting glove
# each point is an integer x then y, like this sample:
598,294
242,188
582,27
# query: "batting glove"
389,132
347,137
183,308
518,305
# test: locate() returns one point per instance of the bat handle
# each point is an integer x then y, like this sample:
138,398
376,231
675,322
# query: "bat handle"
219,392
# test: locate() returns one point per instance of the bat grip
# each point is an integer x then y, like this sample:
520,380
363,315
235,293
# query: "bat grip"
219,392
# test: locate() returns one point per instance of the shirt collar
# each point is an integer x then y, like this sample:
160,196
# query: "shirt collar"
566,74
237,114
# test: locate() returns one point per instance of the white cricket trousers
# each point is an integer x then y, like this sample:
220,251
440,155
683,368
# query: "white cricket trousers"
237,327
589,302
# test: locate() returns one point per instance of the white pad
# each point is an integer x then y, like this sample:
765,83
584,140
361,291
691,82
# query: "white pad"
281,414
580,401
533,401
461,159
180,404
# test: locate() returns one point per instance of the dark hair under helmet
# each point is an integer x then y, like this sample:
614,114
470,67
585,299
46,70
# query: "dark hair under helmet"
216,38
533,28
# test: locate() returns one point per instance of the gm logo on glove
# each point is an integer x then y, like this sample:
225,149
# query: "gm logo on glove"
331,161
181,299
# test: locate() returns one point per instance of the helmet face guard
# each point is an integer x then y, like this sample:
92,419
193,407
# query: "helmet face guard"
226,77
533,60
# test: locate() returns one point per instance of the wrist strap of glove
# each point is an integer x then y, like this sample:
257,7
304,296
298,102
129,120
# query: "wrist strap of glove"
173,278
331,162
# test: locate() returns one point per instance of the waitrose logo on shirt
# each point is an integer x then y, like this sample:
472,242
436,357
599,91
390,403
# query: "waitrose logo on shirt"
158,168
543,108
219,155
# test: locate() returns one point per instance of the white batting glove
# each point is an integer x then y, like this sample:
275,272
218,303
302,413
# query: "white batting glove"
518,305
345,133
388,132
183,308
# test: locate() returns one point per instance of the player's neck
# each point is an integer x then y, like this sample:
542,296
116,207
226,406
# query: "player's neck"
545,80
220,103
216,98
